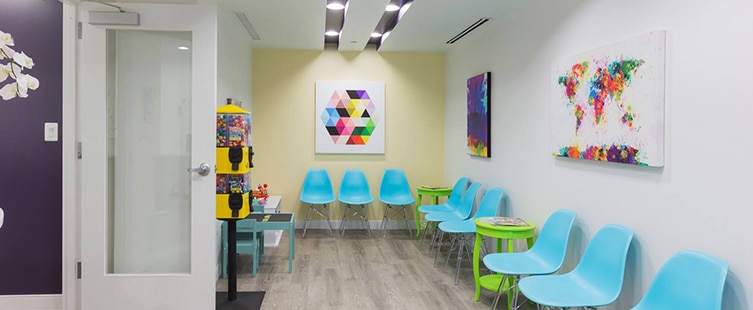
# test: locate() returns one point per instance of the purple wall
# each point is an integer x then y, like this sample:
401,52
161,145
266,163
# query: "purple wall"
31,170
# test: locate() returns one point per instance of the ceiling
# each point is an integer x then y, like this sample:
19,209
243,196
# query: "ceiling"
300,24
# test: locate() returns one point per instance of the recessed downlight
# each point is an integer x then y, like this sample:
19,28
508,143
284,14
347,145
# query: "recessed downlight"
331,33
392,8
183,48
376,34
335,6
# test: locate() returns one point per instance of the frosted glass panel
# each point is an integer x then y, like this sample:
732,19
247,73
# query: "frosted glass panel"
149,152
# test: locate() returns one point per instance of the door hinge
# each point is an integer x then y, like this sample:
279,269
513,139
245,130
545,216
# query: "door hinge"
79,150
80,30
78,270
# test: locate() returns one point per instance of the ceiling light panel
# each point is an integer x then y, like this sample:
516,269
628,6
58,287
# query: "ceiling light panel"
360,19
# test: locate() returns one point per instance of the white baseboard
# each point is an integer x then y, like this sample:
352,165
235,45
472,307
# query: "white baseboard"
31,302
355,224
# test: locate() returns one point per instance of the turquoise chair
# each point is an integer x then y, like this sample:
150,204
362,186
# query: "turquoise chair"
318,194
451,204
460,230
689,280
355,194
545,257
395,193
463,212
597,279
248,241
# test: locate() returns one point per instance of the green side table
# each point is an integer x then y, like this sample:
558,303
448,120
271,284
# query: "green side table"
434,193
491,282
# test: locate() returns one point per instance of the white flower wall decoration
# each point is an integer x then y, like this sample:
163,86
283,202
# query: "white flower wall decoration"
16,63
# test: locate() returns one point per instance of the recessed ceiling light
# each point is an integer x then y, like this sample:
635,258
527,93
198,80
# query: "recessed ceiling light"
331,33
392,8
335,6
376,34
182,48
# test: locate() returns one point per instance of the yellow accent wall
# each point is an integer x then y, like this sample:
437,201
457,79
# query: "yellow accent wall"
283,119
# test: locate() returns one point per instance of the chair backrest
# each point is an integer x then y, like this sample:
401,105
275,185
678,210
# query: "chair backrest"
456,196
317,187
551,245
489,205
466,206
603,262
689,280
354,188
394,188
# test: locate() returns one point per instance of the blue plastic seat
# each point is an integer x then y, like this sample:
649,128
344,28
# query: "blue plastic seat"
452,202
489,206
355,194
689,280
395,193
596,280
463,212
318,194
545,257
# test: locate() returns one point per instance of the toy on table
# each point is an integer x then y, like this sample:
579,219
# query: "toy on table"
260,195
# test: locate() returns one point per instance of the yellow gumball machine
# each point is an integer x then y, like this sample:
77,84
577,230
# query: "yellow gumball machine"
234,162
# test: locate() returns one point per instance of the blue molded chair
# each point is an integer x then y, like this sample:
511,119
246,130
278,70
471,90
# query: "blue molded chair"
395,193
355,194
318,194
488,206
545,257
452,202
689,280
461,213
596,280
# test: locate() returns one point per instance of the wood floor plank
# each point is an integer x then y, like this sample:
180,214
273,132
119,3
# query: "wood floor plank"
361,273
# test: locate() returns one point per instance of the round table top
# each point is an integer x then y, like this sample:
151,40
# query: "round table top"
482,223
433,190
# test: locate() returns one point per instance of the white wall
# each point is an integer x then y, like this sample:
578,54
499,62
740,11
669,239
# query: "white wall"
233,71
234,59
699,200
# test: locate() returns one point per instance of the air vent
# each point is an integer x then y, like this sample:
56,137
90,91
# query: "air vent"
247,24
467,30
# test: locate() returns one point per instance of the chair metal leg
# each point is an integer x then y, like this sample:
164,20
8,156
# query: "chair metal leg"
306,222
460,257
439,247
499,291
365,217
385,220
324,212
407,223
344,220
426,232
453,238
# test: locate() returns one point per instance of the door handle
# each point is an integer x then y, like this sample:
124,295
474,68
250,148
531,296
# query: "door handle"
202,170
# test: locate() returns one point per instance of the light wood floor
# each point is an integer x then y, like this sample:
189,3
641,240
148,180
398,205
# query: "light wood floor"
359,272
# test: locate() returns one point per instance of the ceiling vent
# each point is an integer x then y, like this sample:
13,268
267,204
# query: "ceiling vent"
247,24
467,30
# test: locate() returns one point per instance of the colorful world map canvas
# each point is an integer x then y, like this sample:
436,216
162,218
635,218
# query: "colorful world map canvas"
350,117
608,103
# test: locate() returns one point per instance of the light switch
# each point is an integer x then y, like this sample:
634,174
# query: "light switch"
50,131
